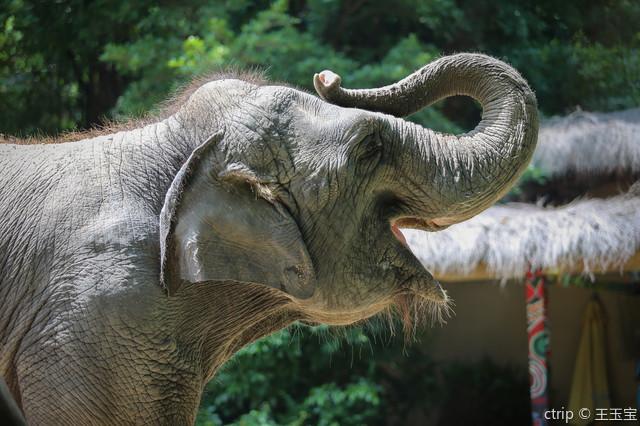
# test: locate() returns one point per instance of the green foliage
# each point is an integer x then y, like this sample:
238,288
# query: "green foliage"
272,40
303,376
60,70
532,175
51,75
477,387
69,64
284,379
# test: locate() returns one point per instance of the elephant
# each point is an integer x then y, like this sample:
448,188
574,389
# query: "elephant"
134,262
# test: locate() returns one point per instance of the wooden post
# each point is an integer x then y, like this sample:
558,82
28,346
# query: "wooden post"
538,334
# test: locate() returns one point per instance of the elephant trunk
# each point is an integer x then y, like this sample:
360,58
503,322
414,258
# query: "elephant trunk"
460,175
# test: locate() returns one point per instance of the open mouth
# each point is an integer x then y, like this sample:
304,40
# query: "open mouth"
413,223
398,234
415,298
419,223
423,225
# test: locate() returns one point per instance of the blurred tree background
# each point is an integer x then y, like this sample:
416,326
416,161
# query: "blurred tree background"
73,64
70,64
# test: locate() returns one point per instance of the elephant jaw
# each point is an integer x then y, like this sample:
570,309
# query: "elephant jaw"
418,299
421,293
413,222
320,315
413,308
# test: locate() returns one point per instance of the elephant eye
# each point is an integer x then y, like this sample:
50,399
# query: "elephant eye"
369,148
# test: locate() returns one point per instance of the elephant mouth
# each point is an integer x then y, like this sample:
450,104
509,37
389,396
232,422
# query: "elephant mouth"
413,222
397,232
420,287
416,298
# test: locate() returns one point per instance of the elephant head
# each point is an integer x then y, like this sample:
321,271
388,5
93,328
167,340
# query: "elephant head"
307,195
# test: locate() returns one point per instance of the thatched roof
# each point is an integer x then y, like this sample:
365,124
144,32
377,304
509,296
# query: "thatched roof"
590,144
582,236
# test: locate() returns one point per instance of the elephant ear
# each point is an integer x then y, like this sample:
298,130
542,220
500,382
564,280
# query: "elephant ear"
222,225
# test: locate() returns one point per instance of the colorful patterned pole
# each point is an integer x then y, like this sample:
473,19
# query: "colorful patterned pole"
538,345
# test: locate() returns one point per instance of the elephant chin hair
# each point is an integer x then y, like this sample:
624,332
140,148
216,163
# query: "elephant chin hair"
412,310
270,310
415,311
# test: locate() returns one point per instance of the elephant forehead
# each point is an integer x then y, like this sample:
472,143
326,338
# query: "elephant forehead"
310,130
298,104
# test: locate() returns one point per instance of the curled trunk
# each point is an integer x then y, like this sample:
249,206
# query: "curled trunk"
461,175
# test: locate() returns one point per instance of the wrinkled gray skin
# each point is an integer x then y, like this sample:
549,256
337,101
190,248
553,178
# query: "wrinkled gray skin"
134,264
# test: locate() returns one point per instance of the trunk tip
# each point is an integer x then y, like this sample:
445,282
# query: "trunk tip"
326,82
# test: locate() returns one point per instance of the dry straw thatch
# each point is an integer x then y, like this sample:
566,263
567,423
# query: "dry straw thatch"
583,235
587,144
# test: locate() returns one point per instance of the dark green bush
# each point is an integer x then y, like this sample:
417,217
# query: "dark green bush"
315,376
